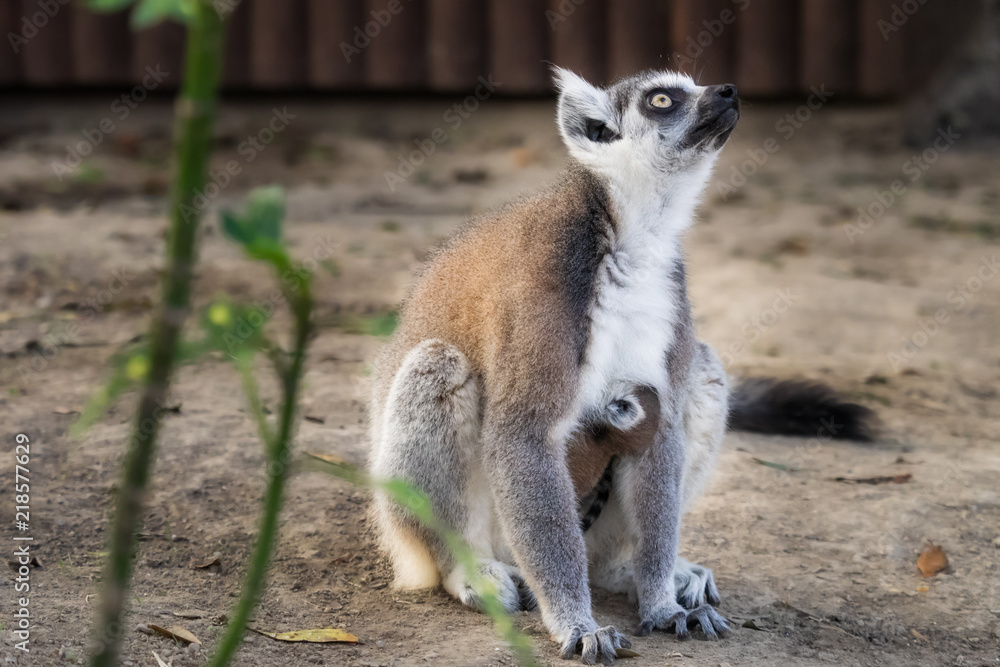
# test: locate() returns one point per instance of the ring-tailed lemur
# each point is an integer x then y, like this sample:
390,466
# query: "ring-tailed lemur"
547,356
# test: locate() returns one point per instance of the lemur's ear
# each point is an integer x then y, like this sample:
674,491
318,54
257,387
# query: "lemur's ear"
585,115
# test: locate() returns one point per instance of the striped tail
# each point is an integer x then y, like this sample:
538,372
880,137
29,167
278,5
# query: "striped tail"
800,408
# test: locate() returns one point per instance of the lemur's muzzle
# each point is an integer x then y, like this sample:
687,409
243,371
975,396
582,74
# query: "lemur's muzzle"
718,112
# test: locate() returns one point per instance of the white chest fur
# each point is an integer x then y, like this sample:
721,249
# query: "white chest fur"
636,304
632,322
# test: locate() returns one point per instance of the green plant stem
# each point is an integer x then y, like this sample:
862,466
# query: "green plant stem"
195,113
279,462
245,365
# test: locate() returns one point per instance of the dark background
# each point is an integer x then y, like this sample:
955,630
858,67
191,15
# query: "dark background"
770,48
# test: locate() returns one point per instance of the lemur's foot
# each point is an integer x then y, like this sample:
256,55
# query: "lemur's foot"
673,617
695,585
599,646
506,580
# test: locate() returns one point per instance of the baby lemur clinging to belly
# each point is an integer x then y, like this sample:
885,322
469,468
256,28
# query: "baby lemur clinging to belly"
546,378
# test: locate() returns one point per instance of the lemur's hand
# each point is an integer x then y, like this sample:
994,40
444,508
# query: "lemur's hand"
596,645
672,616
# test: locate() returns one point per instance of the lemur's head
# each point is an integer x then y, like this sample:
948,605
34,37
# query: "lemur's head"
649,126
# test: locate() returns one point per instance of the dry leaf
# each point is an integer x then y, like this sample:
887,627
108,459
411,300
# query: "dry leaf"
315,420
176,632
66,411
932,560
214,563
329,458
919,636
923,588
191,614
626,653
159,660
322,636
888,479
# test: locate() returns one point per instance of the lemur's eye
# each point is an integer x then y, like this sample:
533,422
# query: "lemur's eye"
661,100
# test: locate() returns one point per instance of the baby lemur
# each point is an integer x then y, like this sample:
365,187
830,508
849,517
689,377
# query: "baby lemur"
546,366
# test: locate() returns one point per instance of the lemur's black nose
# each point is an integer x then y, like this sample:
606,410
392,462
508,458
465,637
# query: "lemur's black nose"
727,90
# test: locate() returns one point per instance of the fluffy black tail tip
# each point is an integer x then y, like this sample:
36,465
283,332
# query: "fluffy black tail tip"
799,408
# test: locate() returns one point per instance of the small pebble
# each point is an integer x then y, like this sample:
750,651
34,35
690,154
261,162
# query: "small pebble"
380,643
144,629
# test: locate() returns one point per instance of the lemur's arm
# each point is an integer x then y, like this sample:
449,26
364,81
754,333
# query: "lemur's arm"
536,506
652,497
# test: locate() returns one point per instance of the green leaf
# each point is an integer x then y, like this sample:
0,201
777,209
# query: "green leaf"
108,5
150,12
259,227
265,211
236,229
270,251
770,464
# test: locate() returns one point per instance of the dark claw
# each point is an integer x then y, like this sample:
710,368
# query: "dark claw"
711,591
712,622
606,642
644,629
699,616
679,623
623,642
569,648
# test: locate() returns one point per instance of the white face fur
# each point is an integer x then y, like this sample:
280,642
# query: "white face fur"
654,137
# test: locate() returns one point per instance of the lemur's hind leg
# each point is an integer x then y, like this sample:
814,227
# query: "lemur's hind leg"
705,424
429,437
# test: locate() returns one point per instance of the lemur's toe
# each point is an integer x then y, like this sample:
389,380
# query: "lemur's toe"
712,623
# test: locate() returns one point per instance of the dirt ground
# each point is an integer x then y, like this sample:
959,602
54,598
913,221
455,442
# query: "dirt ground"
812,571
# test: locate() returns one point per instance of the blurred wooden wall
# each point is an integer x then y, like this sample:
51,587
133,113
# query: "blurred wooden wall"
769,48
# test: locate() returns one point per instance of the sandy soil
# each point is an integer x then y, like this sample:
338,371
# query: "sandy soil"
814,571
